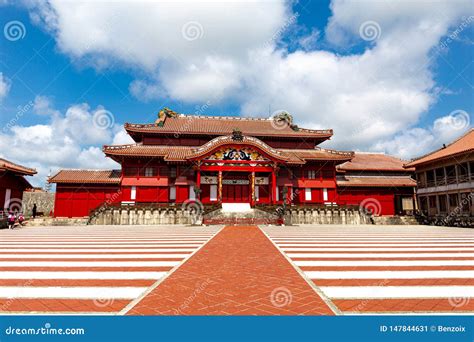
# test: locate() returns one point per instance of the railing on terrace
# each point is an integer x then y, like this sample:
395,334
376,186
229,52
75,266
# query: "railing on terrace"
444,181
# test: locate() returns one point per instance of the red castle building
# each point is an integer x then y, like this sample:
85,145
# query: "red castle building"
233,160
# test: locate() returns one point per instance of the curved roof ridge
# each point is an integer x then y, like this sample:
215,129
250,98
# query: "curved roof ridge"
227,139
11,166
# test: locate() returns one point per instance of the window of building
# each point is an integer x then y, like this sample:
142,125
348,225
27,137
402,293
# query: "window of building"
307,194
164,171
277,188
451,174
325,194
295,173
130,171
150,172
172,171
453,200
328,174
432,202
440,176
466,202
407,203
133,193
186,171
421,178
442,203
463,174
424,204
311,174
172,193
430,178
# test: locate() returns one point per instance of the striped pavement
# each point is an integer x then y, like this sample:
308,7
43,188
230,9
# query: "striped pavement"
385,269
91,269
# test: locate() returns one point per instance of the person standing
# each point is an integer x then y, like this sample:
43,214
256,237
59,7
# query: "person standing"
11,220
34,210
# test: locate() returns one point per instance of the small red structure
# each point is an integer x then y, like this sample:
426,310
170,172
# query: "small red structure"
12,184
226,160
378,181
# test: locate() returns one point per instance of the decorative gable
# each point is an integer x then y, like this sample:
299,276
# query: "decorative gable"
237,154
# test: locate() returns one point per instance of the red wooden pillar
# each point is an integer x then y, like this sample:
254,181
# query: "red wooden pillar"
274,187
198,178
252,189
219,187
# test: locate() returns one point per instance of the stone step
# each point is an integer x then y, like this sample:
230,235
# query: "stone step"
395,220
236,207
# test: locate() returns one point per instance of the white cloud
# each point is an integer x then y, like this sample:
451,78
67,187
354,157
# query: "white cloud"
148,32
414,142
4,86
122,138
42,106
233,55
69,140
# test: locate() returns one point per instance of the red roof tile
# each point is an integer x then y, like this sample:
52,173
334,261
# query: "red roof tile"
373,162
385,181
182,153
6,165
224,125
169,153
87,177
461,145
319,154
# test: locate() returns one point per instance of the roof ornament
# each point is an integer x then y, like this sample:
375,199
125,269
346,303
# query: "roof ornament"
237,135
285,118
163,114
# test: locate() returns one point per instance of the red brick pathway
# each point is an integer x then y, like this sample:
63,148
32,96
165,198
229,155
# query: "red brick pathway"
238,272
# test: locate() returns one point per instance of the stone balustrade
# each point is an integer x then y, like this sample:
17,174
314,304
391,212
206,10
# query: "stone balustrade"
144,216
338,215
178,215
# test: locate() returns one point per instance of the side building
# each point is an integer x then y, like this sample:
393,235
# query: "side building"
445,183
378,181
12,184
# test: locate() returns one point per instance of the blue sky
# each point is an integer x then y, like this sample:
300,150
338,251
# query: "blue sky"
404,92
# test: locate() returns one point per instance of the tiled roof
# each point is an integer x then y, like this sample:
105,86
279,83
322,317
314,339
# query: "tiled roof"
373,162
169,153
461,145
318,154
182,153
6,165
224,125
87,177
385,181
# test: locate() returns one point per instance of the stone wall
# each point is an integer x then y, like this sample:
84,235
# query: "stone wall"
137,216
167,216
44,202
326,216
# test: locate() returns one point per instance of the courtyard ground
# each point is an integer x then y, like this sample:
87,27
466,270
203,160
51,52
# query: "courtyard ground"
236,270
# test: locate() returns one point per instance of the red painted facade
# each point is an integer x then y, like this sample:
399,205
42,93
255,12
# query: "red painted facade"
252,162
77,201
12,185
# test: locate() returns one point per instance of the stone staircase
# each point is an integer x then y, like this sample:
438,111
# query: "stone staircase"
395,220
245,217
